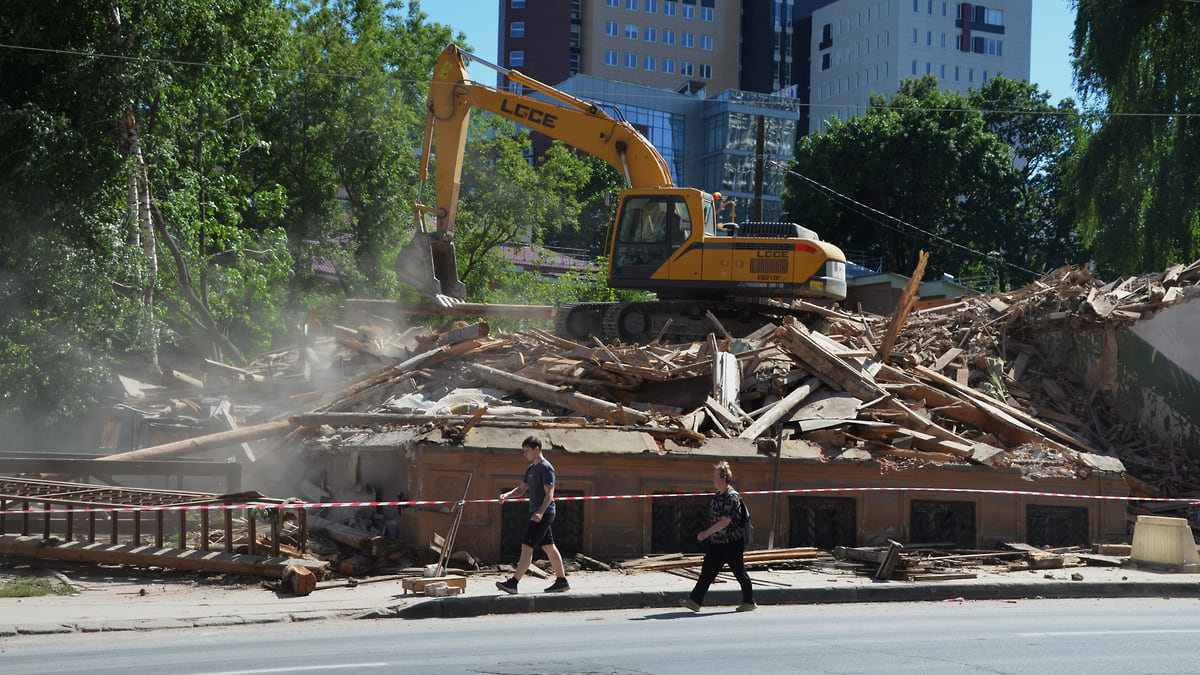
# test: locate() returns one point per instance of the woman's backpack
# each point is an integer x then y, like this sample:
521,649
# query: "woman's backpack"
747,526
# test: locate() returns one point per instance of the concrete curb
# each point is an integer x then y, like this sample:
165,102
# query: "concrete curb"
448,608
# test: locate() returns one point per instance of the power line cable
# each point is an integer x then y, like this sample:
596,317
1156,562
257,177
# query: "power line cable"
883,219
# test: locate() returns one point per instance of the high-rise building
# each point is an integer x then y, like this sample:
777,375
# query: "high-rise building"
868,46
683,45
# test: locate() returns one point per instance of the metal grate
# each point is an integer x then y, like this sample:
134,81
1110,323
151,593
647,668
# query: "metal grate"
675,522
1056,526
937,522
823,522
567,528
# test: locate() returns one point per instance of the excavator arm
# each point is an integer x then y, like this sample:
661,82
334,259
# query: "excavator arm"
428,262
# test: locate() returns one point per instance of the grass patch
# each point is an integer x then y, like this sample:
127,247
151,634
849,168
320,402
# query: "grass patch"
32,587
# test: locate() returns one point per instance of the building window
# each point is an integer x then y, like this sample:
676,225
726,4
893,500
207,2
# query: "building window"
951,522
573,64
516,88
652,6
942,73
930,8
685,68
516,29
649,34
943,40
991,47
669,7
706,42
631,61
706,14
631,31
687,40
631,4
517,4
516,58
668,37
689,11
1056,525
612,3
610,57
612,29
914,67
928,68
928,38
993,17
970,74
956,73
648,63
668,66
943,9
914,36
706,71
916,5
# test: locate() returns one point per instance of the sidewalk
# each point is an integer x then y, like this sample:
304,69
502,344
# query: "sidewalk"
119,603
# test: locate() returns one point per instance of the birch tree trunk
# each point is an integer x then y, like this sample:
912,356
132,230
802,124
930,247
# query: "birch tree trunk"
140,191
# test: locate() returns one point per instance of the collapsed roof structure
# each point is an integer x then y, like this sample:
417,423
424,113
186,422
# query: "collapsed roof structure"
961,421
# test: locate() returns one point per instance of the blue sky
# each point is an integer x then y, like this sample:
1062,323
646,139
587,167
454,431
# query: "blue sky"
1050,61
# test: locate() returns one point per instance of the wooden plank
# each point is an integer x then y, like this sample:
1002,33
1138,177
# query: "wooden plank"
945,359
796,338
782,408
418,584
888,565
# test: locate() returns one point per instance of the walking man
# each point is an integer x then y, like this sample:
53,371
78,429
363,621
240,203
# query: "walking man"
539,481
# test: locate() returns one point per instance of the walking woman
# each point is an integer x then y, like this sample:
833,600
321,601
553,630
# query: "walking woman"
725,545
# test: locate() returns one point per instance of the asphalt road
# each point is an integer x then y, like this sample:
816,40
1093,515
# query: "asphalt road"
1127,635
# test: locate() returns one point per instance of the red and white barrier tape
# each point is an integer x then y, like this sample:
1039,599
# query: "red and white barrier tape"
444,502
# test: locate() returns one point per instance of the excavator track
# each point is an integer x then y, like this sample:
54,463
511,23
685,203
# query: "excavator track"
670,320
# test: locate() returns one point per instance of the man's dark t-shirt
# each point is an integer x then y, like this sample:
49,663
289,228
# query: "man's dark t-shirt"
537,477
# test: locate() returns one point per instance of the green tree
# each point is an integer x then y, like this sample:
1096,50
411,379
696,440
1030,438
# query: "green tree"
1138,172
1043,139
506,200
926,174
349,116
105,153
597,200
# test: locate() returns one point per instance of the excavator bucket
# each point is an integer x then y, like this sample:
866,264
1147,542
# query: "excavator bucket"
427,264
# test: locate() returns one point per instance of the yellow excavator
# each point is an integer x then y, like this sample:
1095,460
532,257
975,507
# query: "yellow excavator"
662,238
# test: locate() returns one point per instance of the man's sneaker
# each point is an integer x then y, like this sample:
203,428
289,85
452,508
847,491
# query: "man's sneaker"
747,607
690,604
509,586
560,584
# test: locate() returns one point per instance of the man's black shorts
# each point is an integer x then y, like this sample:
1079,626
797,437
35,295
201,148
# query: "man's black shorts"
539,533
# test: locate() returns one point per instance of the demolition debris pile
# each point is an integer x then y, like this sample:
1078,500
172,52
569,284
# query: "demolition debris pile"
978,380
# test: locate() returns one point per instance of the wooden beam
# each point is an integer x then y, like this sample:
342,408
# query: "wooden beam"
900,316
202,443
546,393
394,307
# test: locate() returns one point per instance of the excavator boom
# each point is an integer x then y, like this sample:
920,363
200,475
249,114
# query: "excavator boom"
428,262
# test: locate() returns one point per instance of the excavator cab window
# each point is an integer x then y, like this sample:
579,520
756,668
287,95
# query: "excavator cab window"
710,219
649,225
